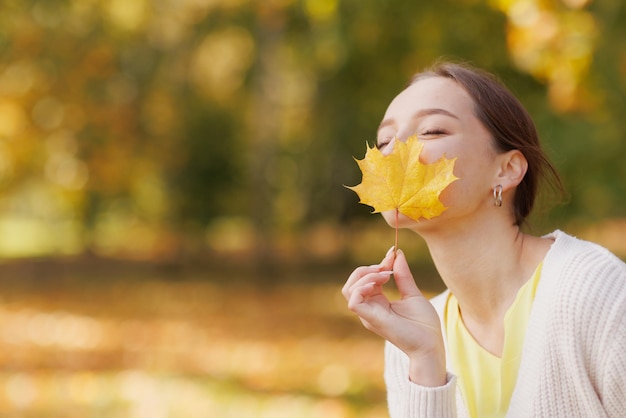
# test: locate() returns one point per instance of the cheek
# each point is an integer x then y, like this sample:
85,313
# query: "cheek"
434,150
474,174
431,154
453,194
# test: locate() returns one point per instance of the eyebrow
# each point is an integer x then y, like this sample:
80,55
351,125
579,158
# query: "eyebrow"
420,114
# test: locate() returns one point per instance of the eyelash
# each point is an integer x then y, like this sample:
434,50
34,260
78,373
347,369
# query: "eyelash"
434,131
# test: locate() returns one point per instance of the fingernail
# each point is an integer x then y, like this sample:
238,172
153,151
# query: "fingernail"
390,272
390,250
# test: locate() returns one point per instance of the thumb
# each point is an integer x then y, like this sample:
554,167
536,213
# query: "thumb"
403,277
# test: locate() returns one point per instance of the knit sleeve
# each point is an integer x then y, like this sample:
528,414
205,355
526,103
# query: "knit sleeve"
409,400
614,384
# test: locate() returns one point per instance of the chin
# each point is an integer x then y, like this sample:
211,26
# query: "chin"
403,220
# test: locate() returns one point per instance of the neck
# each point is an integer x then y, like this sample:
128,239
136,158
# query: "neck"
484,265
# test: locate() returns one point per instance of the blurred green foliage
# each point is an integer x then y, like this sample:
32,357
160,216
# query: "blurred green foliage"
156,128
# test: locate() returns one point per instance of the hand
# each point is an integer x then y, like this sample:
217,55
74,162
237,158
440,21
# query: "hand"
410,323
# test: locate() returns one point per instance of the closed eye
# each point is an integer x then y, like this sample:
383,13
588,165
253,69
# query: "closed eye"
433,132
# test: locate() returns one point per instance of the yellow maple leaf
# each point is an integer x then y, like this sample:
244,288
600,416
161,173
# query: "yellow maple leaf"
399,181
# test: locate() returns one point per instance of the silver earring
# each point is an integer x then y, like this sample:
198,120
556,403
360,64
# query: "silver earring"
497,195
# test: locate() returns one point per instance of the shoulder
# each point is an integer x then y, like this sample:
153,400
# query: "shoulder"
582,283
566,244
570,257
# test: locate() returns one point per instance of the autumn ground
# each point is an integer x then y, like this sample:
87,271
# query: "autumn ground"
103,338
137,341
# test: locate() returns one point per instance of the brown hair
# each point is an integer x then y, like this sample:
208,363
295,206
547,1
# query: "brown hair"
510,125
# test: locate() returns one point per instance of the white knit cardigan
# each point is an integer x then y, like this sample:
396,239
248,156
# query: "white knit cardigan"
574,353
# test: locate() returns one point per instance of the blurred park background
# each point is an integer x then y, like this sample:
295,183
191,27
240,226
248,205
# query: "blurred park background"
174,230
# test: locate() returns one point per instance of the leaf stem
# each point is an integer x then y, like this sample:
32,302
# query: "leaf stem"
395,248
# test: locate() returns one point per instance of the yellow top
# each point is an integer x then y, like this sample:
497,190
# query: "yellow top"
487,381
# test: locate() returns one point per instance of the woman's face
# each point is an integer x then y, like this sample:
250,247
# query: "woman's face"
441,113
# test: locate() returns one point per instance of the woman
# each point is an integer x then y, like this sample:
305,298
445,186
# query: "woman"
529,326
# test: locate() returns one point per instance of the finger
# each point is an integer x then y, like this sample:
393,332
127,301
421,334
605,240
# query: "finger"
368,302
403,277
358,296
379,277
356,275
369,286
387,262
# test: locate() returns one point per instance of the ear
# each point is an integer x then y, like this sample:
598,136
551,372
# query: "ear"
513,166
